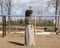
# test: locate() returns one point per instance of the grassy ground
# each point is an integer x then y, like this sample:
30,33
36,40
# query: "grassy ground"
42,41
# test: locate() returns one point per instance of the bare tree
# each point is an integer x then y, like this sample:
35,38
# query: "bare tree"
7,6
1,4
3,19
8,9
55,4
9,12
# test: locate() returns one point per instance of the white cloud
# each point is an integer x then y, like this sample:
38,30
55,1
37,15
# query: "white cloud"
15,1
25,1
52,10
22,1
36,4
16,11
46,0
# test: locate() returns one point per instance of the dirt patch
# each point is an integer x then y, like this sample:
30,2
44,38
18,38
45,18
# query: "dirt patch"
41,41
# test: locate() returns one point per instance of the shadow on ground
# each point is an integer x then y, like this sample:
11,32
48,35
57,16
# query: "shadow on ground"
16,43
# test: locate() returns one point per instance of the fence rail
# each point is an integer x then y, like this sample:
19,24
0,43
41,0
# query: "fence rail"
44,23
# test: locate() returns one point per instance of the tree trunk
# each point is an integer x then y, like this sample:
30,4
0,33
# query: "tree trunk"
56,16
4,25
9,24
3,20
9,12
29,35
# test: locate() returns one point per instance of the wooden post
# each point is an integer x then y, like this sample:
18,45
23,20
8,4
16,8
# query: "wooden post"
4,25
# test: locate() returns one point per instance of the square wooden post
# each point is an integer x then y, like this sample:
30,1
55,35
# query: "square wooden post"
4,25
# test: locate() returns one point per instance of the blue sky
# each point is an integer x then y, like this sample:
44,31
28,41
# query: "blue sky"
20,6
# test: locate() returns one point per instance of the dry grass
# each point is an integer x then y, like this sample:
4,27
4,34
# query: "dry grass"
42,41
